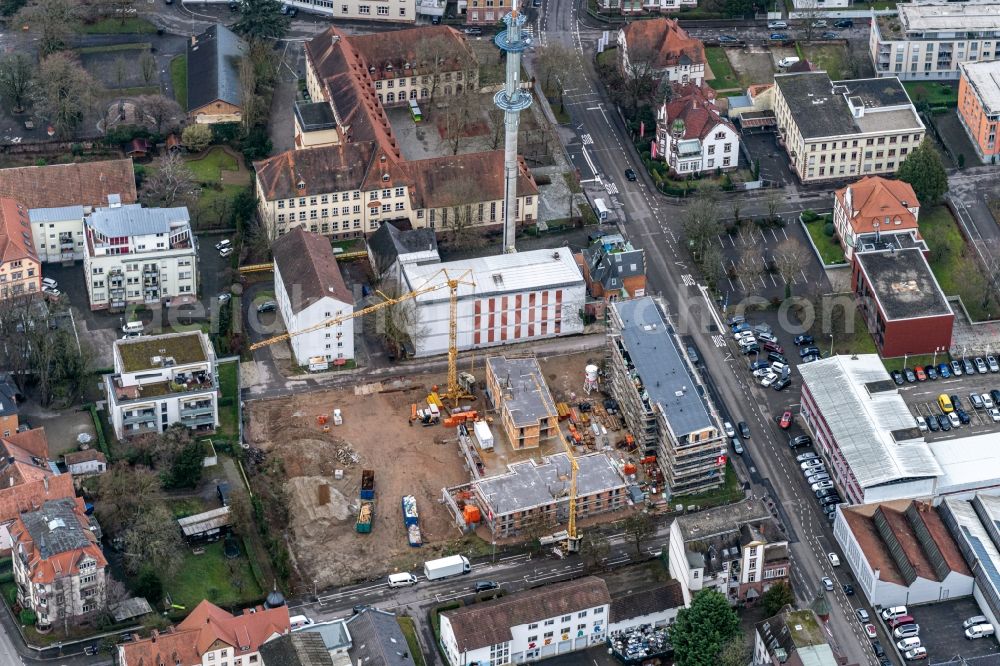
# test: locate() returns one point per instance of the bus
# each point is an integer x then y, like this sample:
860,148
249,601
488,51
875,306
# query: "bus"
415,111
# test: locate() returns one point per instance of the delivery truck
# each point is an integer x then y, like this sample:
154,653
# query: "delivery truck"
446,567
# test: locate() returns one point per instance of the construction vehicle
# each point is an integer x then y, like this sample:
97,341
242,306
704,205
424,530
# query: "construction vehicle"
455,391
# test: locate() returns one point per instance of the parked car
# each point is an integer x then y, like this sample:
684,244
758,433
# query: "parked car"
879,651
267,306
944,370
834,560
630,175
862,615
954,420
740,326
727,39
921,375
806,351
474,31
800,440
772,25
822,485
956,368
944,422
826,492
829,34
932,423
931,372
968,366
909,375
758,364
921,424
778,37
956,403
744,429
800,340
817,476
916,654
811,463
827,584
995,415
977,401
782,384
995,394
899,621
773,347
224,297
810,358
988,401
963,416
786,420
981,367
871,632
897,377
991,361
486,585
830,498
906,631
49,283
729,429
806,456
788,61
769,380
225,252
848,589
821,23
843,23
737,445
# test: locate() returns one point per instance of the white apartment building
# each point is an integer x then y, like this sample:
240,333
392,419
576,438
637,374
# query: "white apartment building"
839,129
58,233
927,41
528,626
139,255
692,137
502,299
309,290
160,380
58,564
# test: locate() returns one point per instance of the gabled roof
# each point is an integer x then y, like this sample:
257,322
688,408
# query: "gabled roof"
55,539
610,265
77,457
24,458
455,180
213,60
302,648
489,623
377,639
308,269
313,171
665,40
169,647
697,112
390,242
649,600
875,198
398,48
244,633
82,184
15,232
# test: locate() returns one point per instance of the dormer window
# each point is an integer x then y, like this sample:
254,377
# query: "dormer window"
385,177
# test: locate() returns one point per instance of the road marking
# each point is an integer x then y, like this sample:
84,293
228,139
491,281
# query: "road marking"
719,341
688,280
587,139
611,187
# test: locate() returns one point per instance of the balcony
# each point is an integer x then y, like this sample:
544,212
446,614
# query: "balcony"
140,429
205,420
144,415
150,271
197,409
183,382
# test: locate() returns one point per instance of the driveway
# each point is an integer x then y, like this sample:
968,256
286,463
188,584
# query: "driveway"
773,160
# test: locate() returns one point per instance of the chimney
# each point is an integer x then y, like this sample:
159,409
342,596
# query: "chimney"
45,480
154,635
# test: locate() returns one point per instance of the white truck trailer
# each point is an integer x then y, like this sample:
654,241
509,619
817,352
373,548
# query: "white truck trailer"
446,567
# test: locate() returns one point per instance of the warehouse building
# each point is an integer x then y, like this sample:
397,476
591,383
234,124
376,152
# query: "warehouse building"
517,390
901,553
533,493
865,431
662,399
973,524
502,299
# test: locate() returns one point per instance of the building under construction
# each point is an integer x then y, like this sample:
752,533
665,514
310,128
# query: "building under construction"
516,389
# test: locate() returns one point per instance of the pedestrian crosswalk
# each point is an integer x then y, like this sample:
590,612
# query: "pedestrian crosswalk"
688,280
587,140
611,187
719,340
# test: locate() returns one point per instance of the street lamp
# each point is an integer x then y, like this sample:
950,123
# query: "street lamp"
831,343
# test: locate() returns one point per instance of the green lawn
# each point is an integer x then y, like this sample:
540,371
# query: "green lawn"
114,26
913,361
112,48
828,248
211,576
208,168
859,341
725,77
228,389
181,508
726,494
179,79
828,57
947,246
213,209
935,94
410,631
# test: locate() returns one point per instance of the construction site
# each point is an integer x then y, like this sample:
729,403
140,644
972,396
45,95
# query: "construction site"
349,457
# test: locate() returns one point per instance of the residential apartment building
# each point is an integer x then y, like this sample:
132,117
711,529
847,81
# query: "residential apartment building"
502,299
928,41
9,412
486,12
873,210
842,129
901,553
310,290
398,11
210,635
139,255
517,390
663,47
59,196
794,638
692,136
160,380
536,493
630,7
20,269
614,270
58,564
528,626
737,550
979,106
662,399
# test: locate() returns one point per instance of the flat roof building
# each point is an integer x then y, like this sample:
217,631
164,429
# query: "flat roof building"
843,129
533,493
865,431
901,302
927,41
662,398
979,106
973,524
517,390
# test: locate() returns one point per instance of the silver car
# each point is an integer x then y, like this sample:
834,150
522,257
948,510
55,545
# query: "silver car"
822,485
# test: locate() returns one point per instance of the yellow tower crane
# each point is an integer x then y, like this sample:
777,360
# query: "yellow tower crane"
572,538
455,392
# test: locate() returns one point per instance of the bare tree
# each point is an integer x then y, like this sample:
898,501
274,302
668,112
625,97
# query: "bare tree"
495,120
120,71
53,20
748,264
461,113
811,14
147,66
638,528
594,549
252,108
124,492
16,77
639,78
711,265
164,112
791,258
18,315
746,234
65,92
152,538
773,199
120,9
171,183
701,220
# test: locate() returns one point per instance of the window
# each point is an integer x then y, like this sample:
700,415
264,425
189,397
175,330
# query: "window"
726,148
343,9
532,639
402,11
281,203
383,10
548,634
364,9
400,205
378,85
399,191
582,614
386,207
720,135
711,150
533,625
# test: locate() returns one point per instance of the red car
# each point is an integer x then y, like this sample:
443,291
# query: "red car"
786,420
921,375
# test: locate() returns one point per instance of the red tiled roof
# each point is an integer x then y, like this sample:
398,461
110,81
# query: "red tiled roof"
664,39
244,633
84,456
699,115
397,48
33,441
877,198
456,180
171,647
15,232
42,569
82,184
25,485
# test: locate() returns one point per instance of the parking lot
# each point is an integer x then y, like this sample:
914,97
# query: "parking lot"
942,634
922,399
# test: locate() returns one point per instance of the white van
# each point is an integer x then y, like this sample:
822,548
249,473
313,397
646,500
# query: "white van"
132,328
402,580
299,621
908,644
893,612
787,61
974,620
979,631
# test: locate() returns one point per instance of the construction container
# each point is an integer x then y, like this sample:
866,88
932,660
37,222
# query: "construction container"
368,484
410,515
629,468
366,514
484,436
470,512
338,418
414,537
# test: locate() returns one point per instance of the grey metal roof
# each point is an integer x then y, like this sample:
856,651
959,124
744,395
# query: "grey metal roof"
525,394
390,242
862,422
214,67
610,264
134,220
658,361
378,640
335,634
56,214
530,484
296,649
56,528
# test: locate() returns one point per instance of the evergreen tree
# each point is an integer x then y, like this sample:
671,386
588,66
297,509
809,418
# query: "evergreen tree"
702,630
923,170
261,19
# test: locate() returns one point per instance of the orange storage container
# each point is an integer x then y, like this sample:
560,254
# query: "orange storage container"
629,468
471,513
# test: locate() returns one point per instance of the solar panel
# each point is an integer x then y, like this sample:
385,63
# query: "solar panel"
989,566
